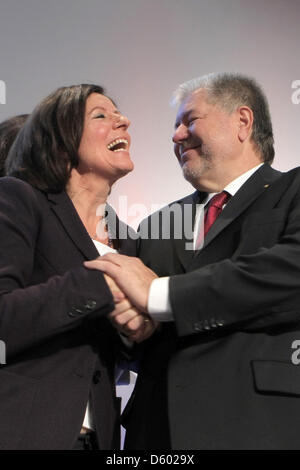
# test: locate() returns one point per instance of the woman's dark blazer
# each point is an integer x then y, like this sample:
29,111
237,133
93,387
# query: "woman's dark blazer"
60,346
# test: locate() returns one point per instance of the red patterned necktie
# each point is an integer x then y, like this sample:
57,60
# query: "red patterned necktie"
214,209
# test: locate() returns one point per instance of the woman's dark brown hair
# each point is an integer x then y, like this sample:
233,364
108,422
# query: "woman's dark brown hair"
9,130
46,149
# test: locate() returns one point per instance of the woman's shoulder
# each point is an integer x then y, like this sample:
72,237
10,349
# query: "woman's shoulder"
18,192
15,184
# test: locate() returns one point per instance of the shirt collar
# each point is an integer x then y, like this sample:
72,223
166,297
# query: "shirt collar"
233,187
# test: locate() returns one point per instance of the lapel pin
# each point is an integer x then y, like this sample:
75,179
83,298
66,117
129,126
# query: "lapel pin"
266,185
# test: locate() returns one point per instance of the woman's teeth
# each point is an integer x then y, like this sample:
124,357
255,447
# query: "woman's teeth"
118,145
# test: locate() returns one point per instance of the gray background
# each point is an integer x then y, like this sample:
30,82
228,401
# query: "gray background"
140,50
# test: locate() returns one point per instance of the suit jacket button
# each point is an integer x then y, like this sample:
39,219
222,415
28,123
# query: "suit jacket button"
96,377
198,326
75,312
90,305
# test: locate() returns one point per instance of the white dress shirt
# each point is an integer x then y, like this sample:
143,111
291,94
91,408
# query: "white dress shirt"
159,306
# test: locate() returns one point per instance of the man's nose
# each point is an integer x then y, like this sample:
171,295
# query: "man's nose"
180,134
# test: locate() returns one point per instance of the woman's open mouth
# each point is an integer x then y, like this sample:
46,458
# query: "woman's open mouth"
118,145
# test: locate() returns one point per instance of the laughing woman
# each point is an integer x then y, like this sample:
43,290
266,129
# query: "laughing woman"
57,389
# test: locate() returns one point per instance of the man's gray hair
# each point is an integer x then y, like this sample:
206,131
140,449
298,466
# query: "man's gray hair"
230,91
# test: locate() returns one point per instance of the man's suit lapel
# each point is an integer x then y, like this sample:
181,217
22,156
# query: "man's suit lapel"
65,211
248,193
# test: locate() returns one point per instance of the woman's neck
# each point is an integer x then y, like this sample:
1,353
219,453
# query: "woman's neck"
89,196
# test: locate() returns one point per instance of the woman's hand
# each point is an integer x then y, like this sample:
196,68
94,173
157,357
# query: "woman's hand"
126,318
136,325
133,277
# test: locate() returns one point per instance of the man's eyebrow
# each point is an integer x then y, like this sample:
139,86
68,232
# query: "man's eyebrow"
182,117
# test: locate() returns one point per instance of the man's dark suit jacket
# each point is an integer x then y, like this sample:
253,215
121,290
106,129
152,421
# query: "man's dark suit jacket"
221,376
61,347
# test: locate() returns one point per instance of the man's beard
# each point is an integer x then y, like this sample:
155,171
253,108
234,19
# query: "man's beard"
203,164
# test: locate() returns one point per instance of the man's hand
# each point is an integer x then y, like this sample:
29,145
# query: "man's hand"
130,322
130,274
117,294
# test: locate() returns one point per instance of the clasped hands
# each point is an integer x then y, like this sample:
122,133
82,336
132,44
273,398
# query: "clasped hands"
129,281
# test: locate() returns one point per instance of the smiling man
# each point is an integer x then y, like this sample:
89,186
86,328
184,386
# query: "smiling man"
210,143
217,374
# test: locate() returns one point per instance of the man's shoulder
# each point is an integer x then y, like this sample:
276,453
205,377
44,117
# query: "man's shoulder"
293,173
173,206
170,221
290,180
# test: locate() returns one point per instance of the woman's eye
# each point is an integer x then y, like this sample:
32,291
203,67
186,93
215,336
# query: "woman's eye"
101,116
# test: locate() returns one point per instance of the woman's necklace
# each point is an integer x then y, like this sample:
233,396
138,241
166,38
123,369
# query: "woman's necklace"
102,235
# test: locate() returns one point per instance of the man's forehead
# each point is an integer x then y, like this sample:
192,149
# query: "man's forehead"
195,100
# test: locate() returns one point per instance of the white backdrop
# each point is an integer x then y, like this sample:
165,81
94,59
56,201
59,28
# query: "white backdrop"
140,50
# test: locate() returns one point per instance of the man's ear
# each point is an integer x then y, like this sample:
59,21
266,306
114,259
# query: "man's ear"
245,121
